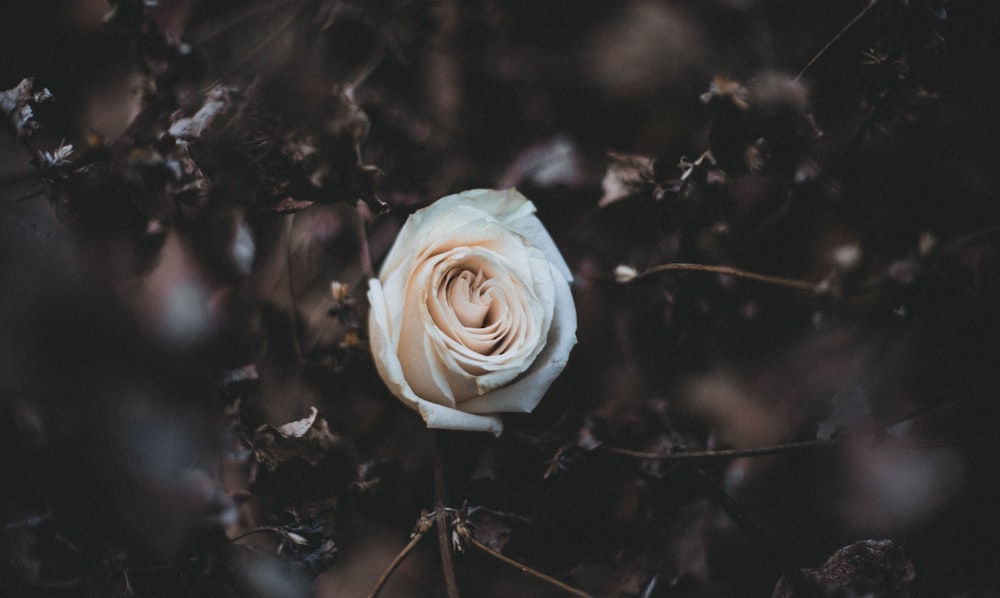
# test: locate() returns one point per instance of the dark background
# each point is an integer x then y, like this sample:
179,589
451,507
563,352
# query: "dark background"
112,423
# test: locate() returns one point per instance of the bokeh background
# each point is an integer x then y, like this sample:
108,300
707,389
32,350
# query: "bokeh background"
150,333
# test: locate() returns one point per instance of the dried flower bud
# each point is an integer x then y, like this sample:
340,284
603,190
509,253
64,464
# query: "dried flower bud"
847,257
926,244
339,291
726,89
625,274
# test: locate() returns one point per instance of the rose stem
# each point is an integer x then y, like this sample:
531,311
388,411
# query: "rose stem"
793,283
840,34
695,455
527,569
441,515
395,563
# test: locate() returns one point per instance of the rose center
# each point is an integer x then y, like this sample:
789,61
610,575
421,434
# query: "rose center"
470,299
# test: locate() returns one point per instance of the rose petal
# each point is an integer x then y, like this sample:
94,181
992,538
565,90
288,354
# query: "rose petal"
388,365
524,394
473,313
438,416
529,317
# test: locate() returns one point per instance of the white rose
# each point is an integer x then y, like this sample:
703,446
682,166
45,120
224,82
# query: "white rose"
472,313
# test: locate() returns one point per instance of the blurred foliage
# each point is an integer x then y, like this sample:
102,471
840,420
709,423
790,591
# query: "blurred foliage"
193,193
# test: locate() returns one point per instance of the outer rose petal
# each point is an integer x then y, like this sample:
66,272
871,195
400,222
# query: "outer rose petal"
481,219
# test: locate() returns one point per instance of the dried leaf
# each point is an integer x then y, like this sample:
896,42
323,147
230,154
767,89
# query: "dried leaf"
868,567
304,463
548,164
627,175
299,428
16,103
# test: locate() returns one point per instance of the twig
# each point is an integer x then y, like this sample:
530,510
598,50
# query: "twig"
793,283
256,530
971,239
526,569
397,561
741,519
723,454
840,34
441,516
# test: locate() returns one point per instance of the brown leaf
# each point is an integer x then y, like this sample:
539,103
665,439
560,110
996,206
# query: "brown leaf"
627,175
299,427
867,567
304,462
16,103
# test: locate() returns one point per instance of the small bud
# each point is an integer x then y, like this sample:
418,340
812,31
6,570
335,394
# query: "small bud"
351,339
339,291
727,90
926,244
625,274
847,257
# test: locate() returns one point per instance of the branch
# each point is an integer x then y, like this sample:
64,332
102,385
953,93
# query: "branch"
723,454
772,551
422,528
625,275
526,569
840,34
256,530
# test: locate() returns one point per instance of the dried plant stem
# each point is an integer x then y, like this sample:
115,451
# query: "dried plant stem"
256,530
773,552
792,283
840,34
526,569
395,563
723,454
980,236
442,514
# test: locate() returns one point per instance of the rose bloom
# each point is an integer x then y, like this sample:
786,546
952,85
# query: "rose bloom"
472,313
